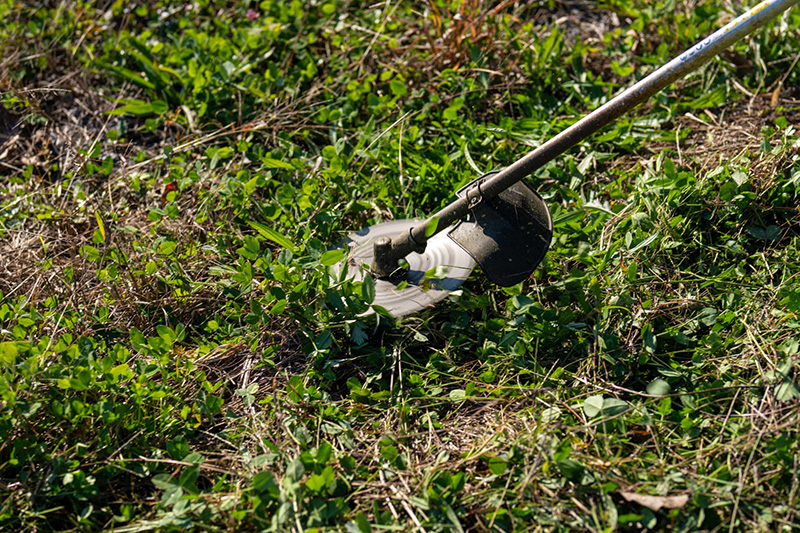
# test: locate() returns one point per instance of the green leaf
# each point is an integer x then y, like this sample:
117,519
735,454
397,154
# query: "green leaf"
707,316
359,333
740,177
81,382
90,253
650,341
728,191
458,395
331,257
550,44
451,515
167,334
397,87
122,370
316,483
165,482
593,406
451,113
324,453
323,340
645,243
563,218
786,391
791,300
272,235
665,406
613,406
390,453
457,481
632,270
126,75
329,152
658,387
138,341
497,465
278,308
295,470
140,108
100,224
167,247
363,524
194,458
770,233
571,469
368,289
263,481
550,414
470,161
8,353
431,227
711,99
275,163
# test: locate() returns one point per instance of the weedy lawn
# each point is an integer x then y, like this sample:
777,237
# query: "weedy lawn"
175,353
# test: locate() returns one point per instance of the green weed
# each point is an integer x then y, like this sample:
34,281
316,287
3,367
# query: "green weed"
177,349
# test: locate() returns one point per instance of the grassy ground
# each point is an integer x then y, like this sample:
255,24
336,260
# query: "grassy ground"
174,352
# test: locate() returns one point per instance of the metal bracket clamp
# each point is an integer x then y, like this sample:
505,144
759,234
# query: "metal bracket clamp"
472,191
474,195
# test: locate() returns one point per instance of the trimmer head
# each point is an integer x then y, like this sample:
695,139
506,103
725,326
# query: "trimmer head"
507,236
432,275
498,221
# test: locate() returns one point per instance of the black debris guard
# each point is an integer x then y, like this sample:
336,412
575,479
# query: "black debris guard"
508,235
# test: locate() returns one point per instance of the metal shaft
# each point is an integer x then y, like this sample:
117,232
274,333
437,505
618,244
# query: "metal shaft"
401,245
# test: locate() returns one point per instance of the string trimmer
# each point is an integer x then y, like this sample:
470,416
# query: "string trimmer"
497,221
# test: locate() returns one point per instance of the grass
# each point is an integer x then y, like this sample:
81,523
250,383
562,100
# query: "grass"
175,353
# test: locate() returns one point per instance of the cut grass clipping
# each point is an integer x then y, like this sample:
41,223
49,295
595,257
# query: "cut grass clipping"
175,353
